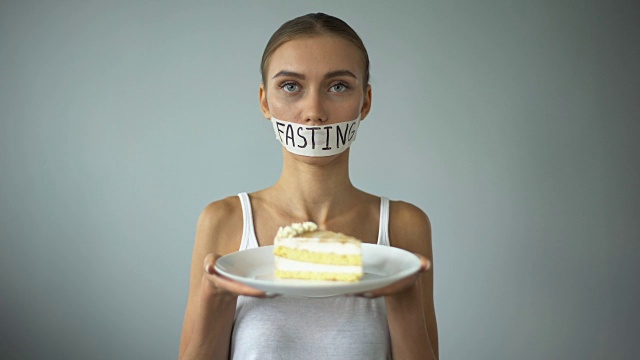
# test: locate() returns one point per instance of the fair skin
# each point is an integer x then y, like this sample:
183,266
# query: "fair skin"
309,84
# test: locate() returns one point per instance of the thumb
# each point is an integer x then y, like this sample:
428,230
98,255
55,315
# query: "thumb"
425,264
210,262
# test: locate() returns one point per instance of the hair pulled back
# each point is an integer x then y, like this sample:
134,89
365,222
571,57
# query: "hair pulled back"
312,25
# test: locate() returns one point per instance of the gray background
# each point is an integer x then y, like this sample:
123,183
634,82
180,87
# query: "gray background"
514,125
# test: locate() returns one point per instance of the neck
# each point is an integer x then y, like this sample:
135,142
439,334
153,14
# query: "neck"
315,189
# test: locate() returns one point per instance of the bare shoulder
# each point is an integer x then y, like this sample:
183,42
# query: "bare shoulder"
220,227
409,228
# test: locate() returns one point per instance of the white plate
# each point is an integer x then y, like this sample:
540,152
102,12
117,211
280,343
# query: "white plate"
382,265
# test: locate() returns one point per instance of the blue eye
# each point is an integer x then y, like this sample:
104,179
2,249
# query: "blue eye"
339,87
289,87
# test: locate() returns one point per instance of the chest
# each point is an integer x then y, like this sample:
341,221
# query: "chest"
363,225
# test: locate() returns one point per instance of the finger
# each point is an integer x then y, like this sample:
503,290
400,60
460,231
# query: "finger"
425,264
210,262
225,284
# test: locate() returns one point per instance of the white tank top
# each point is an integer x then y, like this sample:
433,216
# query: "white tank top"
342,327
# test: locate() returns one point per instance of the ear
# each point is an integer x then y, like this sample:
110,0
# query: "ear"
366,103
264,105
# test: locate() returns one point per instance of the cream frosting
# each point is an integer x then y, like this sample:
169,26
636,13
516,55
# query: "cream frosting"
293,265
320,245
296,229
306,236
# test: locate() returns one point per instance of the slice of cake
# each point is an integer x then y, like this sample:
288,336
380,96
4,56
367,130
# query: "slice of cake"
303,252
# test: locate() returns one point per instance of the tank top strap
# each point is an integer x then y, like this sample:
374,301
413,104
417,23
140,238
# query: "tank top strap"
249,240
383,229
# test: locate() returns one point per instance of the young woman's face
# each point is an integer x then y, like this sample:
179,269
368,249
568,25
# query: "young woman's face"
315,80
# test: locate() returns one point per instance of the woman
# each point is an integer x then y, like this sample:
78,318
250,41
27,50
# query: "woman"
315,73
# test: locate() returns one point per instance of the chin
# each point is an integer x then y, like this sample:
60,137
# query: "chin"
322,160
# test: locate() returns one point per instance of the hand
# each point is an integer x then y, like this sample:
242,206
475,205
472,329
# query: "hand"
400,285
221,284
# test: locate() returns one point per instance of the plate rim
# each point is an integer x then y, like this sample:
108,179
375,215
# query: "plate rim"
316,289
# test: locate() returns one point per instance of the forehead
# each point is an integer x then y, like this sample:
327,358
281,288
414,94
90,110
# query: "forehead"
318,54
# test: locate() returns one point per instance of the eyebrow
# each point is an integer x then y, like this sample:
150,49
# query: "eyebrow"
326,76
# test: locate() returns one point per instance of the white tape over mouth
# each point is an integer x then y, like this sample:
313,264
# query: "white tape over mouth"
315,140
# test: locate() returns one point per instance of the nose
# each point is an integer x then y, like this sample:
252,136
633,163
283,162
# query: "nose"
314,109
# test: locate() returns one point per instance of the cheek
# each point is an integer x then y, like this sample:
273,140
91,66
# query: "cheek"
283,109
276,100
277,97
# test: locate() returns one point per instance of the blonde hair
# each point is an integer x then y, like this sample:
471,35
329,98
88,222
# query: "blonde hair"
312,25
